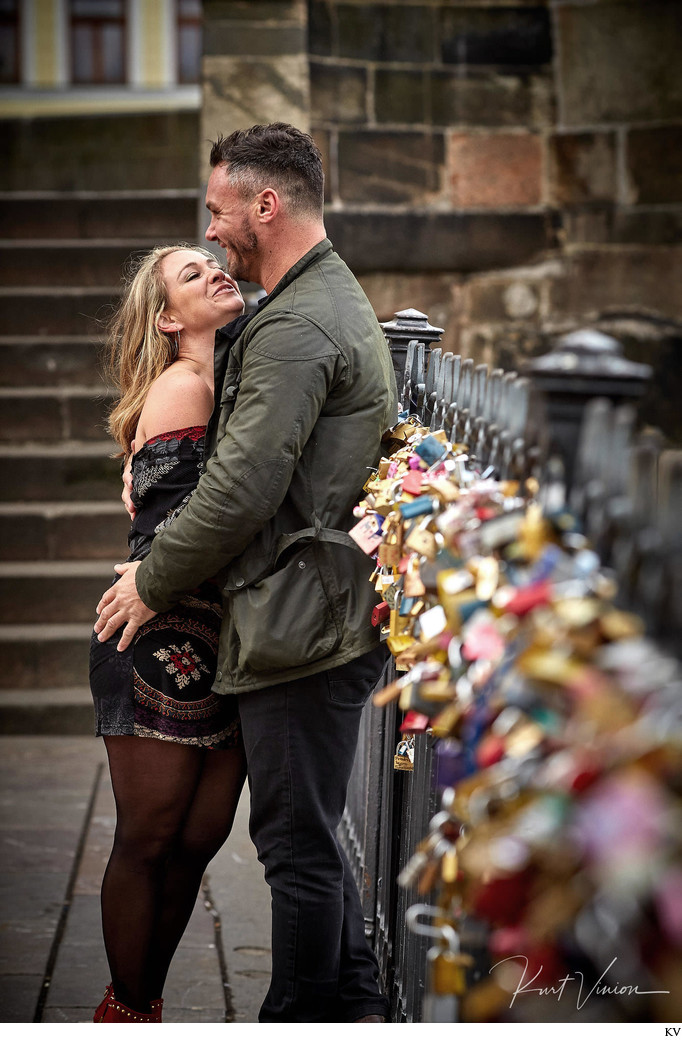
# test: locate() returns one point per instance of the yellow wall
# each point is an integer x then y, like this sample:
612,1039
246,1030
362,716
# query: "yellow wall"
41,20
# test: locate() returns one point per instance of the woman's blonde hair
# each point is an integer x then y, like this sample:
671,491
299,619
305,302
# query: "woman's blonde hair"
137,350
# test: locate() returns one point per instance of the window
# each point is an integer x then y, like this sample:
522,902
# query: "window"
98,41
189,40
9,41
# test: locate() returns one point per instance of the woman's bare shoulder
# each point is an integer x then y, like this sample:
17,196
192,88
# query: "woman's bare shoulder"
178,398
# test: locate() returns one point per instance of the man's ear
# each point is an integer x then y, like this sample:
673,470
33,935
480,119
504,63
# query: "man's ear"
267,205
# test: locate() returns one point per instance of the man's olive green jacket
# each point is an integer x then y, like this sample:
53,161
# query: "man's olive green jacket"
302,400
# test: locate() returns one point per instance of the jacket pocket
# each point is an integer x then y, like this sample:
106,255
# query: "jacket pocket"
284,620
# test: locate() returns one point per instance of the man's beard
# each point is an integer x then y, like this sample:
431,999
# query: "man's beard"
241,254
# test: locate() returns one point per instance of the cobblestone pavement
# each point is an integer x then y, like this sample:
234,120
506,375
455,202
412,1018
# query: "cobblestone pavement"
56,827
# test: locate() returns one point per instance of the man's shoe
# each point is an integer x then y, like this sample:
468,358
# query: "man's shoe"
371,1019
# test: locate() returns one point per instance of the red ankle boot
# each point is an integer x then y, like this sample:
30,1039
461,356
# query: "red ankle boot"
110,1010
102,1007
115,1012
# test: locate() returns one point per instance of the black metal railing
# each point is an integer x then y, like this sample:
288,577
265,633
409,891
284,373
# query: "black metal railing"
627,490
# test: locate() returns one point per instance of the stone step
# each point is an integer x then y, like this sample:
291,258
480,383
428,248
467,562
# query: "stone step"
57,310
164,215
68,262
64,530
44,656
53,414
41,592
66,471
54,710
51,361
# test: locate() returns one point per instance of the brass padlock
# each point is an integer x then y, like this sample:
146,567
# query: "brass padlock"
422,540
391,549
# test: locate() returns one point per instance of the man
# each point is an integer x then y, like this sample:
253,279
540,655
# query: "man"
304,390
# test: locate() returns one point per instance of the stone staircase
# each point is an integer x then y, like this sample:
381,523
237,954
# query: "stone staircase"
62,524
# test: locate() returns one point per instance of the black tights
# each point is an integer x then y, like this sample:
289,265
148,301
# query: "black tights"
175,805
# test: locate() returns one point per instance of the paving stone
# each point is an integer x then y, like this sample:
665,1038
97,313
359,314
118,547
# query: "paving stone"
18,997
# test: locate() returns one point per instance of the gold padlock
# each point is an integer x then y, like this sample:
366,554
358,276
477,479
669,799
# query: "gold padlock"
391,550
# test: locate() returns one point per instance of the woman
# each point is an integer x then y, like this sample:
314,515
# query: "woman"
174,748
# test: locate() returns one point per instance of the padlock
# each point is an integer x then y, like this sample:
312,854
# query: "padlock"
390,550
422,540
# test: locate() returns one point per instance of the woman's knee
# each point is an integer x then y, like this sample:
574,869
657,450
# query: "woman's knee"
144,845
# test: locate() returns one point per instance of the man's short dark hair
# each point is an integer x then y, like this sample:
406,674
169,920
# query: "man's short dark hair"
278,155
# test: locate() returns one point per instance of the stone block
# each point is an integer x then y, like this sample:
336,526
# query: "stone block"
52,656
383,32
654,164
484,97
86,417
55,312
29,598
100,153
34,418
604,223
436,295
41,475
625,280
25,361
240,92
81,264
338,93
432,242
255,10
390,167
320,30
497,35
225,37
502,300
649,227
582,168
165,216
475,96
495,170
619,62
322,139
401,96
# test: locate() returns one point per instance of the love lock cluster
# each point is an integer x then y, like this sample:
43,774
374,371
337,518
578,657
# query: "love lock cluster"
555,727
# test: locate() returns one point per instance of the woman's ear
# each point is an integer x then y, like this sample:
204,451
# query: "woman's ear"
167,324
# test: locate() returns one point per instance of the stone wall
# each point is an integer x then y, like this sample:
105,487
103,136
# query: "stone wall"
512,168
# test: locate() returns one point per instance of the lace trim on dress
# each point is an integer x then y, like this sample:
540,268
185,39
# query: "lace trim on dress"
193,433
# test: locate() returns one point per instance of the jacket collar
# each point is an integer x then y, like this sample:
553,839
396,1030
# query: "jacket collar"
230,333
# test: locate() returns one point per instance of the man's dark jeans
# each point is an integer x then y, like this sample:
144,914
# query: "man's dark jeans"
300,741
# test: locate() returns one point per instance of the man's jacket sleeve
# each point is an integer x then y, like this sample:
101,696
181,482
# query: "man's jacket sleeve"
288,369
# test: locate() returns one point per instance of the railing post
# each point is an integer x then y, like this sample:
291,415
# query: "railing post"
583,365
405,326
